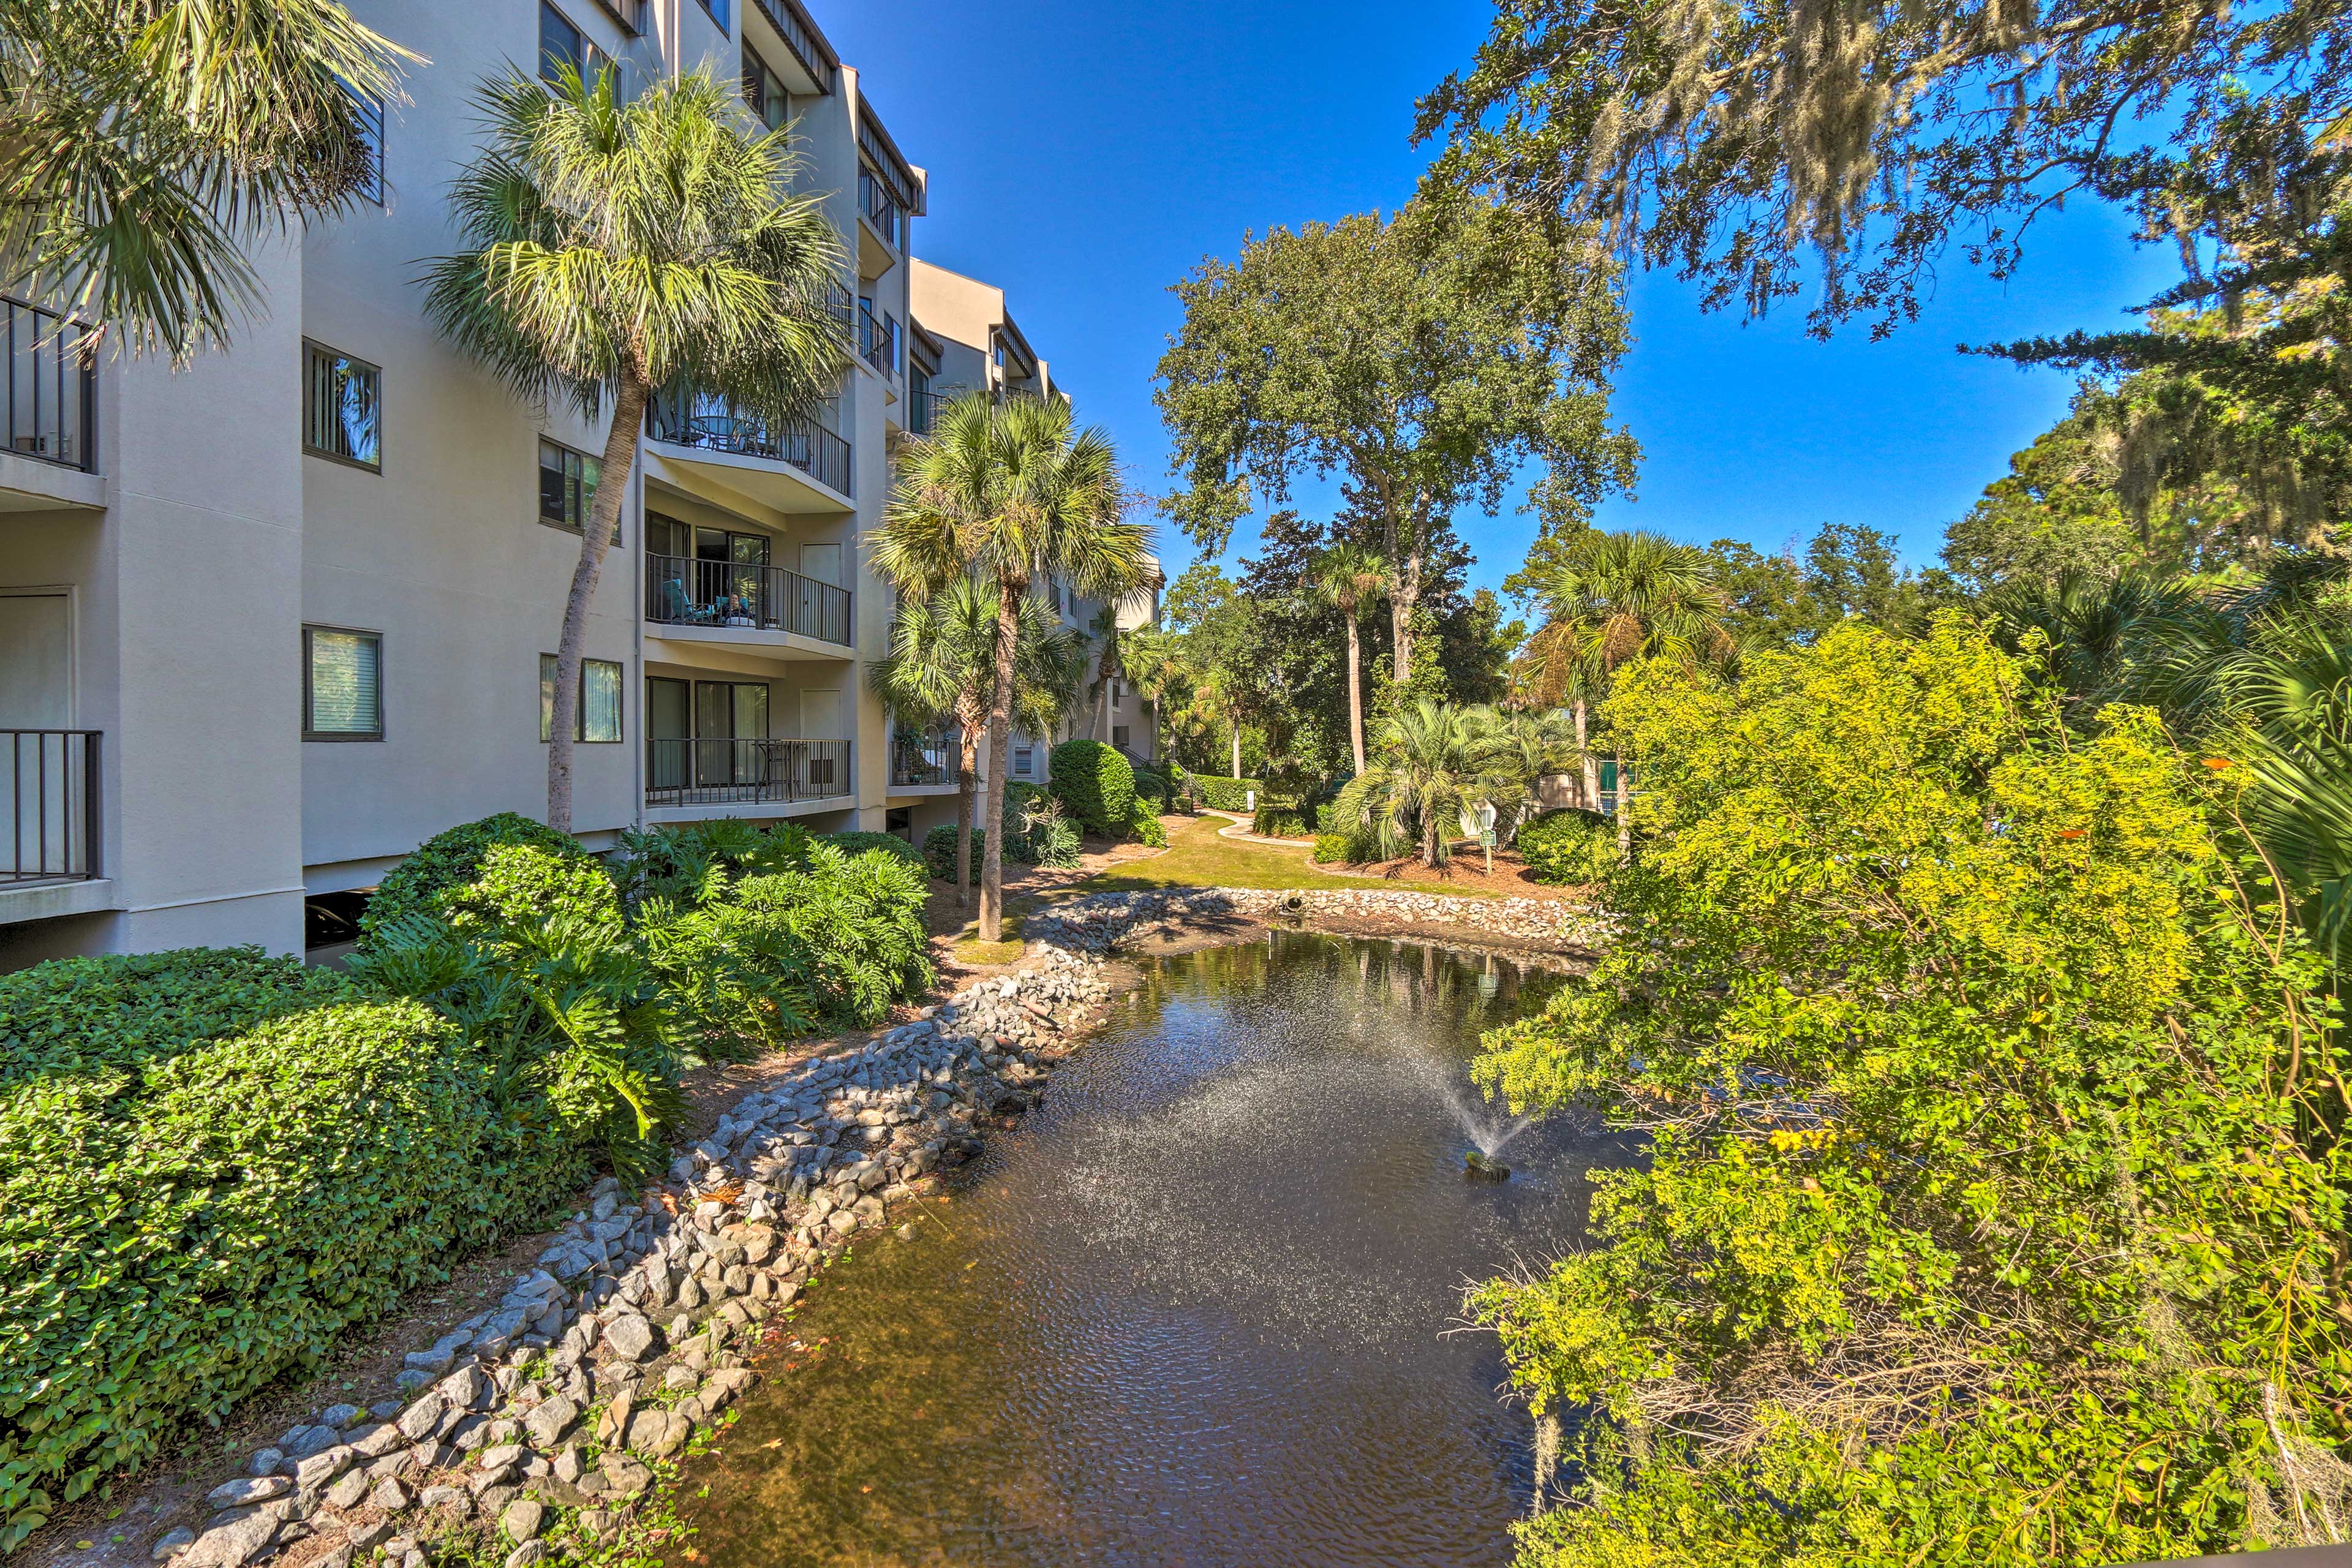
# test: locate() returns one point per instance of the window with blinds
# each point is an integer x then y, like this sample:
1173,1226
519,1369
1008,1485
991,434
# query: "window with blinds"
342,685
598,720
561,44
341,415
763,89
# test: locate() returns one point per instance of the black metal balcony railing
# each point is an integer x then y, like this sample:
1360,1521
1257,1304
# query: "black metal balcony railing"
680,591
52,789
745,772
923,761
881,208
51,403
923,416
717,427
877,340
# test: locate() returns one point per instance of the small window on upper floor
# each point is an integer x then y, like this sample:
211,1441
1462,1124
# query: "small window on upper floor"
718,9
597,720
567,487
561,44
342,684
341,417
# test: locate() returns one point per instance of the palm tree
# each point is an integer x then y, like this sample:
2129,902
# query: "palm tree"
1437,761
1556,669
1219,703
1109,649
1532,747
942,666
1152,658
1009,491
1348,578
152,142
2293,692
612,249
1623,596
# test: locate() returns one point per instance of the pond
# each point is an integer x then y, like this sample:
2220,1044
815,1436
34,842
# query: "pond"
1203,1306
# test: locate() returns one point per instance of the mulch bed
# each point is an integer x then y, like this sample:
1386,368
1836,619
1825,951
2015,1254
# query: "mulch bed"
1466,869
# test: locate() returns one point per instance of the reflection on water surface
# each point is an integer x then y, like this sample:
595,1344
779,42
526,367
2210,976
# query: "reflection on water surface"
1195,1310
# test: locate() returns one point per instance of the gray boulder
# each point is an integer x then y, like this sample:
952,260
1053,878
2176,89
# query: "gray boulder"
630,1337
550,1420
248,1490
523,1520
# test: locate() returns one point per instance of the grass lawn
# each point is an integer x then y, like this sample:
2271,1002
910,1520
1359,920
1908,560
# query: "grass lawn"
1198,857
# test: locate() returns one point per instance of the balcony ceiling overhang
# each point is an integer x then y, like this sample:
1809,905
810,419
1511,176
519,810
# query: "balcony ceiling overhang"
763,482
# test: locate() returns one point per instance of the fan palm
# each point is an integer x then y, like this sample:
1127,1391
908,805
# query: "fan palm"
1623,596
1348,578
1110,664
1009,491
611,248
1155,668
1437,761
1556,669
151,142
942,667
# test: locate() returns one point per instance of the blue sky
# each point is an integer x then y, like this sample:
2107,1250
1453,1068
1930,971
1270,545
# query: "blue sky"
1085,156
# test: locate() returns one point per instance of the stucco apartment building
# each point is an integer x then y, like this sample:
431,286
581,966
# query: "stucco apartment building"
270,622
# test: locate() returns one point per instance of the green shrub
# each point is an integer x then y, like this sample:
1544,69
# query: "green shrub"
201,1185
1331,848
1095,784
1279,819
1226,794
1156,783
694,864
1145,827
454,859
888,843
1346,818
939,852
861,917
1568,849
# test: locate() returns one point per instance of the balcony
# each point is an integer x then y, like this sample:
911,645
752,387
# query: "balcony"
703,424
49,866
685,775
48,412
878,339
923,761
881,209
725,596
924,410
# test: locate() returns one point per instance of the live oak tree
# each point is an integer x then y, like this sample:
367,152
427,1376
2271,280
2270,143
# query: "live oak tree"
1729,142
613,248
1420,356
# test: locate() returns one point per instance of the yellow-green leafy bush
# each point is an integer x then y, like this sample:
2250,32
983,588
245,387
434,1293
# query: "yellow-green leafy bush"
1568,849
1995,1212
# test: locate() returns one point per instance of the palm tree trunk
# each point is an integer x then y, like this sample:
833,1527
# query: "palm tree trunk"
1591,763
967,780
1237,750
1000,756
595,540
1355,693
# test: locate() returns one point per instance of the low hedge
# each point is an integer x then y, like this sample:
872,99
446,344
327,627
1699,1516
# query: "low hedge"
1331,850
1095,784
1568,849
1226,794
1280,819
204,1182
1145,827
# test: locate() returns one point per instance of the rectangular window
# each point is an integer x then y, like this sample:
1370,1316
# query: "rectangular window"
371,113
561,44
1024,762
342,685
341,417
567,487
718,9
763,89
1118,736
598,720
